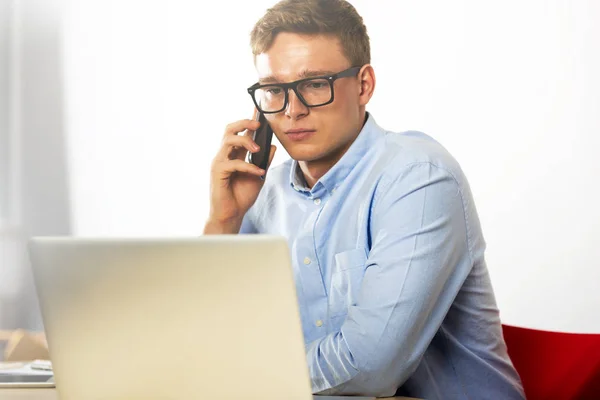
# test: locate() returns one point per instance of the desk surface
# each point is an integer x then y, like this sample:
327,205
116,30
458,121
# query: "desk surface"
50,394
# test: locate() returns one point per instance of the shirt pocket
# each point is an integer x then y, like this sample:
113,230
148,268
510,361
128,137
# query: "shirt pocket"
347,275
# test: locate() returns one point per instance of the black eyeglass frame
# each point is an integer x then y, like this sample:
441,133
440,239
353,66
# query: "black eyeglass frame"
352,71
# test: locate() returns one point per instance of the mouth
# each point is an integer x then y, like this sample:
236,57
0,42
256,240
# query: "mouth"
299,134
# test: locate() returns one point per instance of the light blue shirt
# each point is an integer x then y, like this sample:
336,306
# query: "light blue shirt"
392,284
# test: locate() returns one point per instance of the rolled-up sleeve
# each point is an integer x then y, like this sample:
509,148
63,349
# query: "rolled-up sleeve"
417,263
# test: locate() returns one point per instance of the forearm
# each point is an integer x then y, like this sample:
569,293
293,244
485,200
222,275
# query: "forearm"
214,227
367,362
334,370
243,225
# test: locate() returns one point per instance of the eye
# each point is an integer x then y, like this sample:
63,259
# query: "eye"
273,90
316,85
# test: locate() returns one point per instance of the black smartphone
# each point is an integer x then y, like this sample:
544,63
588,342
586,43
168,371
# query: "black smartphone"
262,137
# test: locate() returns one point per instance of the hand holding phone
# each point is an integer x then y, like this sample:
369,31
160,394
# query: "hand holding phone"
262,137
234,186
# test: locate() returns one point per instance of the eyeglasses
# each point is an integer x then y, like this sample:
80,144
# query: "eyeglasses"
312,92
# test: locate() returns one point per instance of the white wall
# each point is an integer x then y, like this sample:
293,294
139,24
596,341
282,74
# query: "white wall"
511,88
5,12
150,88
6,272
33,156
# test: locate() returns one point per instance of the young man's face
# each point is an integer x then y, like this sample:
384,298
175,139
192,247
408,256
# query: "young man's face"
327,130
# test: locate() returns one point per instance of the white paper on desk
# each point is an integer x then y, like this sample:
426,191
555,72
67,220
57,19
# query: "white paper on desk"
21,377
20,368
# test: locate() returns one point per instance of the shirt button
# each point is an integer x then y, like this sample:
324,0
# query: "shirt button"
319,323
333,190
307,260
317,201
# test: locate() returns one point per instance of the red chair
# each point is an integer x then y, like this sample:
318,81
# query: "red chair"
555,365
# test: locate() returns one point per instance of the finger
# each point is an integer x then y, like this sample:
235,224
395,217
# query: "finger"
250,132
235,147
231,166
239,126
241,142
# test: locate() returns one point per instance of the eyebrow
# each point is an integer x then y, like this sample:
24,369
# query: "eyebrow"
302,75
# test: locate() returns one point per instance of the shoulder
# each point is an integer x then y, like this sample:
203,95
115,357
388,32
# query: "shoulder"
411,154
422,176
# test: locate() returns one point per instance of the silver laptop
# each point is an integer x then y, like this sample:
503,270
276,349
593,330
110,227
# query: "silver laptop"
214,317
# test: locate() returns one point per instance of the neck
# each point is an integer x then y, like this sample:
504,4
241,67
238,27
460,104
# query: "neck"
315,169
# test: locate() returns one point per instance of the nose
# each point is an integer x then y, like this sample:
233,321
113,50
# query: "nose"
295,109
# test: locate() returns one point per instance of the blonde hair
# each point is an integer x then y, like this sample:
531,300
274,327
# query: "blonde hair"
326,17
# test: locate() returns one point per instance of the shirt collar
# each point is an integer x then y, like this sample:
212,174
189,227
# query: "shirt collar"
368,135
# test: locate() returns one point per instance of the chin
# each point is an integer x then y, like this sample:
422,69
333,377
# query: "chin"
304,153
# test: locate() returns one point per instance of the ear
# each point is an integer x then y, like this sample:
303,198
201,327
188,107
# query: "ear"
366,77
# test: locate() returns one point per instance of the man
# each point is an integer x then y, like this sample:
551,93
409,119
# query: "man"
386,244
